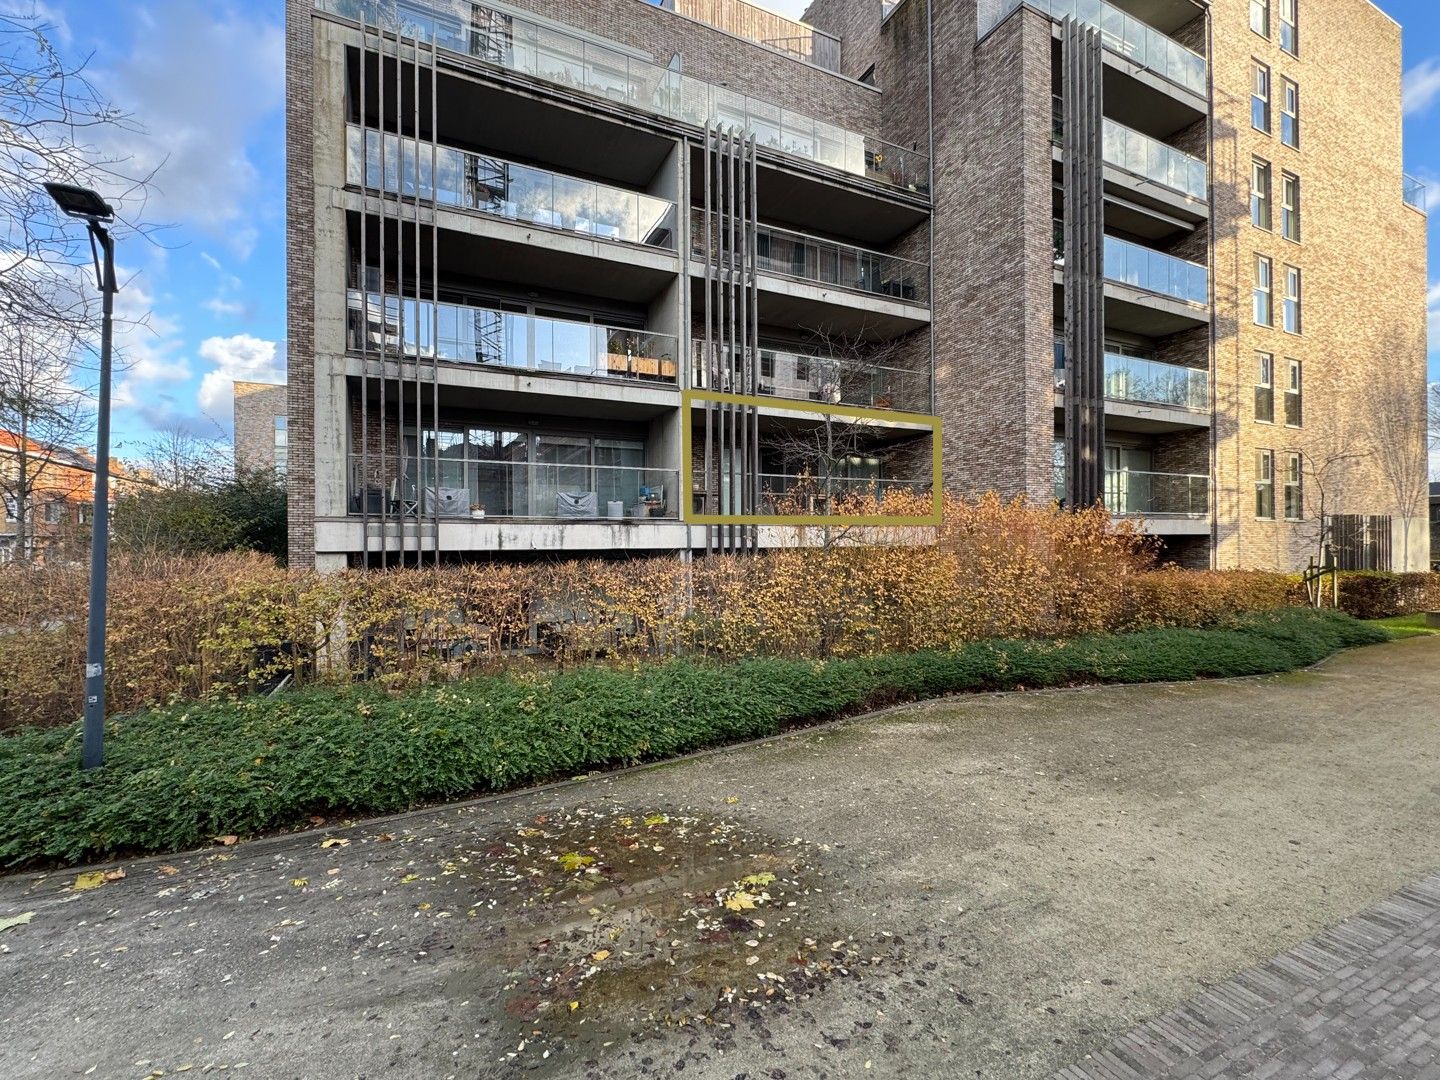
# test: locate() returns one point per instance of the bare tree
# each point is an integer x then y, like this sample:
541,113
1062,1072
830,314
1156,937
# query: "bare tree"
1392,416
826,461
44,413
56,124
178,459
1328,470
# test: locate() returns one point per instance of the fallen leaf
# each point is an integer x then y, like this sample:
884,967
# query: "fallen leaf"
731,800
299,882
18,920
574,1005
409,878
115,875
423,907
384,838
656,819
740,900
317,820
603,954
169,871
758,879
227,840
334,842
92,879
573,860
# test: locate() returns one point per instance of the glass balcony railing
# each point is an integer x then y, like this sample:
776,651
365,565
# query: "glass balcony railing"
474,335
1415,194
511,489
786,494
755,23
579,63
1129,493
803,377
506,189
1154,271
1144,268
1150,382
1121,33
792,254
1137,153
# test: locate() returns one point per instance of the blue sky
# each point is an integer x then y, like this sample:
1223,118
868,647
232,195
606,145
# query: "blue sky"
206,79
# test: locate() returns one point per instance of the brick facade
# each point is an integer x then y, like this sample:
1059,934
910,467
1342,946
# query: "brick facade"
1361,253
256,407
300,275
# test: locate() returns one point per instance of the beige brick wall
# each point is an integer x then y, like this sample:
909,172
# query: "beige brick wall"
256,407
1362,254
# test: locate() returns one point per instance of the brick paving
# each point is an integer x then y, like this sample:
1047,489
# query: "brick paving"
1359,1002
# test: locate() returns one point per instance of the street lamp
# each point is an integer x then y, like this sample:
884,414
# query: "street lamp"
79,202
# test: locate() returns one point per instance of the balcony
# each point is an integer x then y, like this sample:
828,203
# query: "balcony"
803,377
460,333
542,491
577,63
827,262
790,36
1135,380
1415,194
1155,272
790,494
506,189
1121,33
1129,493
1150,159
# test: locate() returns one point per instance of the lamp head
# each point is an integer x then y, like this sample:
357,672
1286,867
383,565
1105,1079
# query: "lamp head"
80,202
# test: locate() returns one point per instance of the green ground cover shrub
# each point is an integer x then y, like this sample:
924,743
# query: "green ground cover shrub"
177,776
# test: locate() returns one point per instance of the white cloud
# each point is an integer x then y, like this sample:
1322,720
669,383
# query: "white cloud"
1422,86
242,357
225,309
201,83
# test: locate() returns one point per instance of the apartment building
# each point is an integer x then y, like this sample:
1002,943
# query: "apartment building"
624,277
262,438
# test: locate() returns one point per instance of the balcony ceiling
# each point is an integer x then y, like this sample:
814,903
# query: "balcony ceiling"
843,315
530,405
806,202
477,117
1144,108
547,269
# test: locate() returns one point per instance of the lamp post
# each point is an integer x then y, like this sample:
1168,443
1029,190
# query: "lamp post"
83,203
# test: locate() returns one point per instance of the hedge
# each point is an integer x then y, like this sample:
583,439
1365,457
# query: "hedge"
1372,594
177,776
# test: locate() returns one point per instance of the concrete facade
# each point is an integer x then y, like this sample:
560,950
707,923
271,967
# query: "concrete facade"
900,229
261,426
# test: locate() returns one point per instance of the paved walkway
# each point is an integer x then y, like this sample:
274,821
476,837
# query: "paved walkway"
1361,1000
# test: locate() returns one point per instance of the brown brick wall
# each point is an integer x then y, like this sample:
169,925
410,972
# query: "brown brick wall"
1362,255
856,23
300,276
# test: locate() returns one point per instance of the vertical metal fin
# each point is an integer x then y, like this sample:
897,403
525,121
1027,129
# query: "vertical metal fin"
1084,274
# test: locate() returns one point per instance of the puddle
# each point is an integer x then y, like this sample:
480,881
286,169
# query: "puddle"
601,929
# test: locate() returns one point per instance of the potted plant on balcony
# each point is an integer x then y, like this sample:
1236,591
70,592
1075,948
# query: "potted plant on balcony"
477,511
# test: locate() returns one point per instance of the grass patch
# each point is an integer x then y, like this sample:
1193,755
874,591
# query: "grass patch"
177,776
1405,626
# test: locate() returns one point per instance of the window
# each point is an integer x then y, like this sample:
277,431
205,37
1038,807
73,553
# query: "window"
1291,305
1294,413
282,445
1289,114
54,512
1260,100
1265,484
1260,17
1290,26
12,508
1265,388
1260,194
1294,489
1264,291
1290,206
767,364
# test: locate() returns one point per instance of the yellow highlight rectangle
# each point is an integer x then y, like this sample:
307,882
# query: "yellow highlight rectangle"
689,397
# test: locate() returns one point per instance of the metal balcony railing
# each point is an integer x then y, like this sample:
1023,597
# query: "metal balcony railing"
1129,493
1122,34
568,59
1151,382
828,262
787,493
464,334
804,377
510,489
